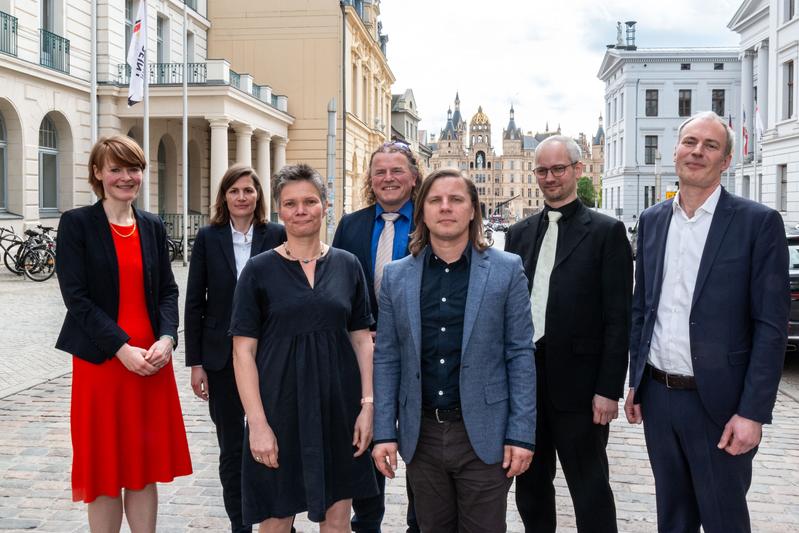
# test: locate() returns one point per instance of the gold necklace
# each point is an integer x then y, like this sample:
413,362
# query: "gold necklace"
304,260
120,234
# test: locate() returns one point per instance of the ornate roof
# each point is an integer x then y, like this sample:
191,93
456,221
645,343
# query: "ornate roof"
512,133
480,118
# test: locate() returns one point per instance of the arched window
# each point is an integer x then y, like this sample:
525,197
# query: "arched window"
48,166
161,177
3,166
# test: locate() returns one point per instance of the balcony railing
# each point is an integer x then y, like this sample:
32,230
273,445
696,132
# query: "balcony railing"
235,79
54,52
8,34
166,73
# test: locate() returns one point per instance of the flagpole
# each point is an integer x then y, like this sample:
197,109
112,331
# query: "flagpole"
93,90
185,136
145,186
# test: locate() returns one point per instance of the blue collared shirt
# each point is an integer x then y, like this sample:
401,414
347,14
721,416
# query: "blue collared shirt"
402,227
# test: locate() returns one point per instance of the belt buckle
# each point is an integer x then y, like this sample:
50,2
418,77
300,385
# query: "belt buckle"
668,385
437,418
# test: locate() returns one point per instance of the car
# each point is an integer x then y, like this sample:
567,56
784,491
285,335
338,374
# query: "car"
793,270
633,231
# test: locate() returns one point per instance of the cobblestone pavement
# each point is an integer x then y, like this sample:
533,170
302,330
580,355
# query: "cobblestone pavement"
35,449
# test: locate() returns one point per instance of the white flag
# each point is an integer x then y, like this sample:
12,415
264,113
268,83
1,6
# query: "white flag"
758,122
136,56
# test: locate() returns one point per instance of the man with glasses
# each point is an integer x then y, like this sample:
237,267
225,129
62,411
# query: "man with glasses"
377,235
579,266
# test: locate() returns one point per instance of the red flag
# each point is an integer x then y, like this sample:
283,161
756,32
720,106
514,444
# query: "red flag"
745,135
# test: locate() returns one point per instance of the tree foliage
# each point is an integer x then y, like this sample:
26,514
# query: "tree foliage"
585,191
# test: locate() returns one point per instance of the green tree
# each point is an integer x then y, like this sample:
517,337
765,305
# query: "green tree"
585,191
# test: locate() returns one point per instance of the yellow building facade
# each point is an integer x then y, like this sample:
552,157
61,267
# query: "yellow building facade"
317,51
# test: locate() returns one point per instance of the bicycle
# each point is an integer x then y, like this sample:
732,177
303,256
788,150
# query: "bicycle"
33,257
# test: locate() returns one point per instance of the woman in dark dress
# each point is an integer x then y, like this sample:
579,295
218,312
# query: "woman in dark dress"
238,231
302,355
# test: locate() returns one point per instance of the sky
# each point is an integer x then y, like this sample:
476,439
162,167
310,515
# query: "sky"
540,56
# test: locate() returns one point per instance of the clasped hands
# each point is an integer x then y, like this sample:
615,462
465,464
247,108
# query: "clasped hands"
146,362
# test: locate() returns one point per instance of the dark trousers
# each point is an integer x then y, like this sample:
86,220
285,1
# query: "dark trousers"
454,491
227,414
368,512
695,482
580,445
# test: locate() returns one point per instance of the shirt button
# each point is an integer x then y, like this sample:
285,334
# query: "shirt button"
441,393
443,329
446,270
443,299
441,361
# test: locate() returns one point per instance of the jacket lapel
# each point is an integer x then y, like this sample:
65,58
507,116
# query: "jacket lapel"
105,238
258,234
478,276
572,238
656,241
226,242
529,257
718,228
413,292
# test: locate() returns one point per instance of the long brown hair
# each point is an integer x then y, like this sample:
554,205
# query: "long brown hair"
221,214
392,147
421,235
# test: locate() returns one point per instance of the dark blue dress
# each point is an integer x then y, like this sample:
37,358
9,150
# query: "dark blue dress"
309,381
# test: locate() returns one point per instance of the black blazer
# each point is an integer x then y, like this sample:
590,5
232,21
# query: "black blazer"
209,292
354,234
588,309
88,275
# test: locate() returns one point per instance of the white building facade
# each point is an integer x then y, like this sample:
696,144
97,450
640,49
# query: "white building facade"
769,51
45,107
649,92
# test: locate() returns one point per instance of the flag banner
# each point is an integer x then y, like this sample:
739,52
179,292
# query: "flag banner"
745,135
136,56
758,123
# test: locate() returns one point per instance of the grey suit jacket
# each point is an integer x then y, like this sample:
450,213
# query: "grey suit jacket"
497,377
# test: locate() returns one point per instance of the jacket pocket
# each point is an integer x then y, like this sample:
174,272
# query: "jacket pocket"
496,392
738,358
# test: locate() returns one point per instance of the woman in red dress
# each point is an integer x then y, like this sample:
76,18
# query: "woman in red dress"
121,326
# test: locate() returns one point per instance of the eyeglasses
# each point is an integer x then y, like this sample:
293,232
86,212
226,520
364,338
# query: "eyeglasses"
557,170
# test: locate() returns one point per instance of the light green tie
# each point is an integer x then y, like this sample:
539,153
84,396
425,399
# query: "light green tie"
543,271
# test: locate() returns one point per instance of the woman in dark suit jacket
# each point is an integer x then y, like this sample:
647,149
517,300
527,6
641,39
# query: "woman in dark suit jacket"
121,324
237,232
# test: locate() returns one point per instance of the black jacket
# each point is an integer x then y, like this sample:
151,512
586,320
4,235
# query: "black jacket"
588,307
209,292
88,276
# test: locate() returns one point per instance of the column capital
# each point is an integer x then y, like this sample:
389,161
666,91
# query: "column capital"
281,141
243,129
762,45
218,122
261,135
746,54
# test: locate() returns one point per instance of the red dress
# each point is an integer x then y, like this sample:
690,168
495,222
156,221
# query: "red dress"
127,430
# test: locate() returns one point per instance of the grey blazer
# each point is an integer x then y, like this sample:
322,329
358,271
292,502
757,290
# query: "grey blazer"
497,378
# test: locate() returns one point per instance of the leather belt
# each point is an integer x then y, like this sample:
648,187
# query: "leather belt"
443,415
672,381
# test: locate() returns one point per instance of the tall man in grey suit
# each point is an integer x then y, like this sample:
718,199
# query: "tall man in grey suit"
710,319
580,268
453,365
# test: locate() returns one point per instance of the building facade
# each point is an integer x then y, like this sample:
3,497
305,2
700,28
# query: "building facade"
768,171
317,51
405,119
649,92
46,118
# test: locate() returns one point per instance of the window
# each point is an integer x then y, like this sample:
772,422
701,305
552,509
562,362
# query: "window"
3,166
790,10
684,103
650,149
685,66
717,102
651,102
48,16
128,23
621,106
782,188
787,106
649,195
718,66
48,166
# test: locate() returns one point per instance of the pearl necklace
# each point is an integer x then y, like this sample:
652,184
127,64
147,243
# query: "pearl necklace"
303,260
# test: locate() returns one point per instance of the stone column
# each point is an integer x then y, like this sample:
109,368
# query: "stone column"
219,155
359,96
244,144
762,82
747,107
263,168
280,153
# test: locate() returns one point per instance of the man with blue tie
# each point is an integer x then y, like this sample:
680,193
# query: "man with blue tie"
709,328
377,235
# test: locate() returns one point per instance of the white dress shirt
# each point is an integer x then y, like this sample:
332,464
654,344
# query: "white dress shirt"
671,343
242,244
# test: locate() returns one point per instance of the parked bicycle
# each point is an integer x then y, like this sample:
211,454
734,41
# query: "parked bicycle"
33,256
